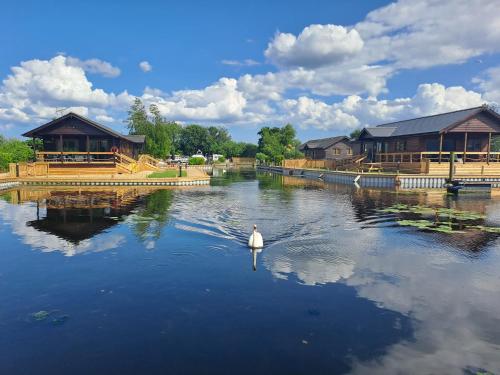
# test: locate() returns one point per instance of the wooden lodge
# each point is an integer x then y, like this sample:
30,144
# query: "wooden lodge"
423,145
73,144
333,148
74,138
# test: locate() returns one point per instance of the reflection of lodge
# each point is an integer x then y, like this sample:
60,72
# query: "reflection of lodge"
367,202
77,215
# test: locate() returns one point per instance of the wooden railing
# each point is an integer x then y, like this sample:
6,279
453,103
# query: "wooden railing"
75,157
438,157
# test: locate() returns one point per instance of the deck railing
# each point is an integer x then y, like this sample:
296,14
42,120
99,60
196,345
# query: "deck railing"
74,157
438,157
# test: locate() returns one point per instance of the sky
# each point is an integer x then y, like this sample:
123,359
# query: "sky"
327,67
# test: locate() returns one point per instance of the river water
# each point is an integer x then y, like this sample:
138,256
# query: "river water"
138,281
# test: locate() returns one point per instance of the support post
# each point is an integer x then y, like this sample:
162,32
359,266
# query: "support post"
87,147
61,147
452,166
440,147
489,149
465,148
34,148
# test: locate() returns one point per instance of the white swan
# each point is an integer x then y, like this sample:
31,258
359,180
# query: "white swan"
255,241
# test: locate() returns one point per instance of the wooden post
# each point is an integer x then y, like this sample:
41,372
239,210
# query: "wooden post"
88,149
489,148
440,147
465,148
34,148
61,147
452,166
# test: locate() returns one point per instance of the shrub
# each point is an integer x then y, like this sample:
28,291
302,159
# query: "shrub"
196,161
222,159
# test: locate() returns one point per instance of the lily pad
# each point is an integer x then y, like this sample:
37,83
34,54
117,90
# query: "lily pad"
40,315
486,229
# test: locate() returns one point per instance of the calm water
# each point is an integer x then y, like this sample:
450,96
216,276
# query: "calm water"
135,281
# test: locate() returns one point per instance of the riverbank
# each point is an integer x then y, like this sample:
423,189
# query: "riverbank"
194,176
377,179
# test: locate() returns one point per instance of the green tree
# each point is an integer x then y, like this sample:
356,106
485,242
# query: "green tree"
279,143
194,138
14,151
355,134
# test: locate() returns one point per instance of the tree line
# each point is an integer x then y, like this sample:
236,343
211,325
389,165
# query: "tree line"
166,138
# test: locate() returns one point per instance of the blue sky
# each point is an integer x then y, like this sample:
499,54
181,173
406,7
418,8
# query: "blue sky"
328,67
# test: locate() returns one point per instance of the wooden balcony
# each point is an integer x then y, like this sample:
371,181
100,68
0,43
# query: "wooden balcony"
438,157
73,157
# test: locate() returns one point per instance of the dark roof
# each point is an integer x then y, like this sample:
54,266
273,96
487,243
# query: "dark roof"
427,124
130,138
322,143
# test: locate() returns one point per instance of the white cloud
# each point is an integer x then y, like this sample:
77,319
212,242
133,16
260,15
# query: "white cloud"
489,82
94,66
220,102
145,66
420,34
37,89
246,62
315,46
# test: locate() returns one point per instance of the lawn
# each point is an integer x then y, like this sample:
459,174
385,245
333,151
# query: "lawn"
167,174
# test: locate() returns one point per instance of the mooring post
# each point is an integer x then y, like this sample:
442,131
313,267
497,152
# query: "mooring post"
452,166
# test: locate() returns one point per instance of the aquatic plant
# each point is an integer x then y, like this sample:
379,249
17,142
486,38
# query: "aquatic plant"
40,315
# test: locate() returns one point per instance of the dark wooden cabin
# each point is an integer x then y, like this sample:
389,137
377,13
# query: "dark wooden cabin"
73,134
333,148
466,132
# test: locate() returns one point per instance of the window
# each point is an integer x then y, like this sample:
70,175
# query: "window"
401,145
336,151
474,144
432,145
349,151
70,145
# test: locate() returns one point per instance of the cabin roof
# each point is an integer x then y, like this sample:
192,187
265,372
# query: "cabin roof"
322,143
130,138
427,124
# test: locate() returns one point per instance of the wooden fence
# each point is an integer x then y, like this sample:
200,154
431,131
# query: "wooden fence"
28,169
309,164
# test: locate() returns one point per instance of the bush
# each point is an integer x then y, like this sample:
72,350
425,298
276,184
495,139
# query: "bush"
196,161
222,159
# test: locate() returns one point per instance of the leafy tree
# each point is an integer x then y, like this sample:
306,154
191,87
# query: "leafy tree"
279,143
355,134
194,138
14,151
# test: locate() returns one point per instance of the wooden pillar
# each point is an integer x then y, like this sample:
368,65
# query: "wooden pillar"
440,146
465,148
61,147
87,148
489,149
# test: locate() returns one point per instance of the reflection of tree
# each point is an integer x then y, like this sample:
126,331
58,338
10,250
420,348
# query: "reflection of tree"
232,176
152,216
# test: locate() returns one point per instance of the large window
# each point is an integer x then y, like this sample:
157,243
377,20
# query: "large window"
474,144
100,145
432,145
71,145
401,145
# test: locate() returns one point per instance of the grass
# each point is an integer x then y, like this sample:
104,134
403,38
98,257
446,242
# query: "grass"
170,173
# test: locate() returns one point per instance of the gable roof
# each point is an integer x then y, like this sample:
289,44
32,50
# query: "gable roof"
323,143
428,124
105,129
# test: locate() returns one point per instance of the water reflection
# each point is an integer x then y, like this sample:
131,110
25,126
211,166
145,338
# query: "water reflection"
341,288
76,221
